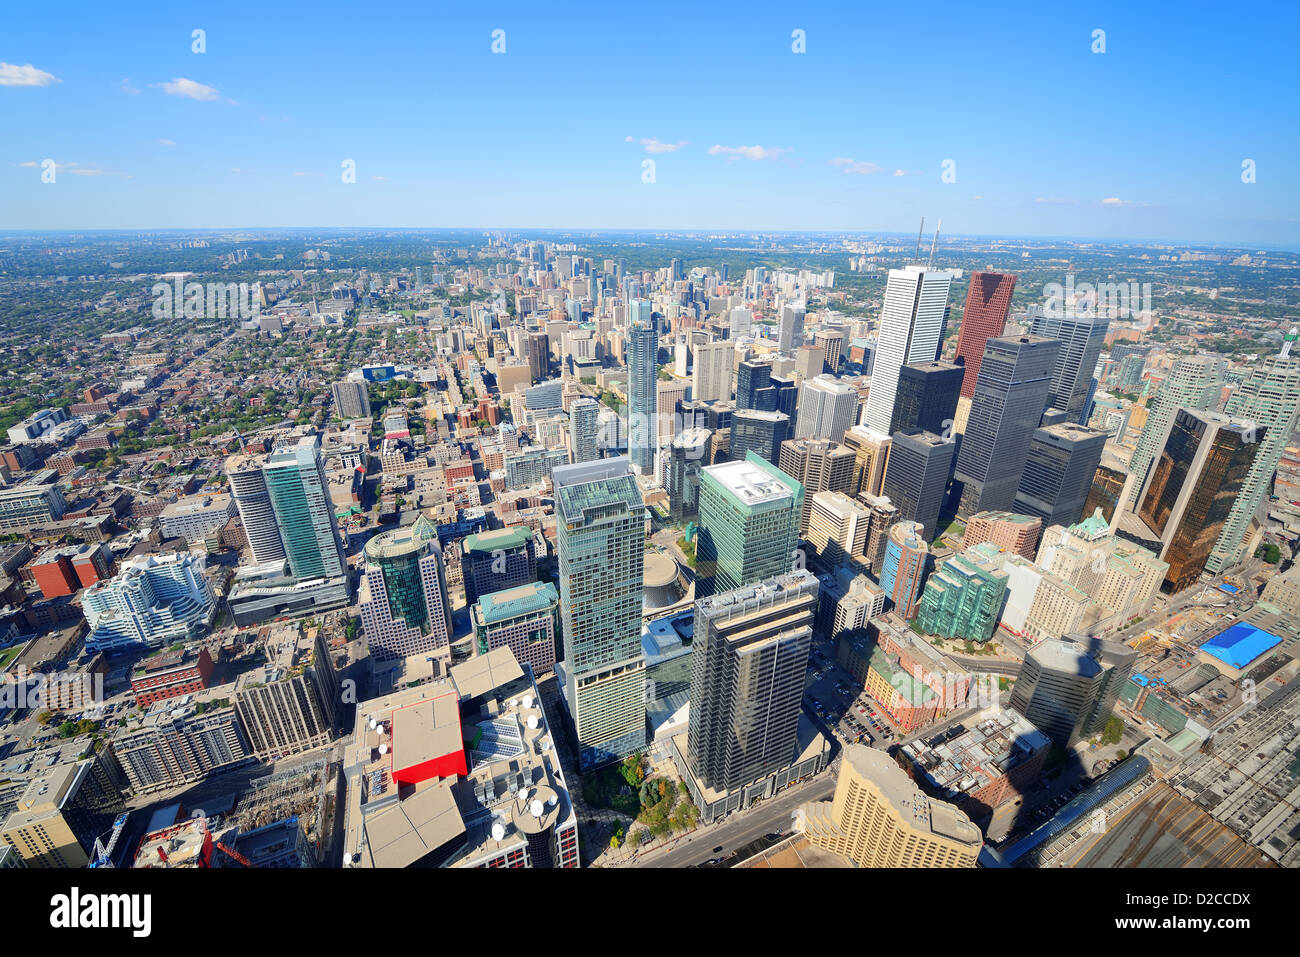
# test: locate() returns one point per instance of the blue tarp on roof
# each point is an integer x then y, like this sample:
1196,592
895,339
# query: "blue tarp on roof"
1241,644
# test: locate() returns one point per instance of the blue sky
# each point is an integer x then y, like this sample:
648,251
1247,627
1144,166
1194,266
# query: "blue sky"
1048,138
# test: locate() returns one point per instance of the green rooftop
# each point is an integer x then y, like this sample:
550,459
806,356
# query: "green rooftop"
512,602
516,537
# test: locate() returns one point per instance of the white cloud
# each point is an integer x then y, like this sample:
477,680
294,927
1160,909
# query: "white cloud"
856,167
190,89
749,152
166,142
129,88
900,172
26,75
653,145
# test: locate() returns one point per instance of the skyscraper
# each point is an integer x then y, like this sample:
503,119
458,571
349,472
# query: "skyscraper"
791,330
248,487
1010,395
642,377
988,300
304,513
748,665
1082,337
496,559
871,451
927,397
711,380
827,408
907,559
1192,383
403,596
917,476
1190,490
600,537
752,377
1058,474
537,348
819,465
831,344
911,328
584,430
880,818
837,527
1270,397
759,432
1068,687
687,456
748,525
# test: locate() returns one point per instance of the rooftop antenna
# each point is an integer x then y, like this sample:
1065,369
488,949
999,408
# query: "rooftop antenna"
917,253
932,244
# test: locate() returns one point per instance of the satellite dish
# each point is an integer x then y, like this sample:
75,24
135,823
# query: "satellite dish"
347,860
498,830
533,722
528,701
383,749
536,808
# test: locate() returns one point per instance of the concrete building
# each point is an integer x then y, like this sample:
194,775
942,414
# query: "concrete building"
871,455
600,535
1081,336
533,465
61,812
642,366
153,600
819,465
525,619
496,560
906,563
584,430
1013,533
879,818
1068,688
351,399
291,703
29,505
837,528
173,745
917,476
194,519
714,364
790,334
1059,472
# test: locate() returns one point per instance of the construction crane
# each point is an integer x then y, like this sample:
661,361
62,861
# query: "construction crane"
102,853
229,851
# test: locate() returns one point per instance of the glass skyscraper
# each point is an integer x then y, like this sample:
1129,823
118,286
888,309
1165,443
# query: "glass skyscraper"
1082,337
642,397
296,485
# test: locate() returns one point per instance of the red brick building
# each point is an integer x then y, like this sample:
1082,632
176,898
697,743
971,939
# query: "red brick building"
171,674
55,576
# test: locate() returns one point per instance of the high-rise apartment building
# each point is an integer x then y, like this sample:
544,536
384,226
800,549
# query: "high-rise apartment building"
711,378
299,494
911,329
988,300
153,600
827,408
880,818
748,525
584,430
963,596
748,665
819,465
1058,473
917,476
642,404
1010,395
600,536
290,704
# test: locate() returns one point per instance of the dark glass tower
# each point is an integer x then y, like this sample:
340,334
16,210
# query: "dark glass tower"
927,397
1058,473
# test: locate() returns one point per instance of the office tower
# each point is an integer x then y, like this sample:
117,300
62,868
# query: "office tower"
739,322
61,811
525,619
791,330
847,602
748,665
537,346
927,397
351,399
752,377
642,377
837,528
497,559
600,536
1010,395
1193,383
1105,493
248,487
782,394
153,600
584,430
917,476
1269,396
827,409
711,379
882,516
1058,472
748,525
667,396
687,456
1015,534
1189,493
831,344
1116,660
808,362
1081,337
871,452
403,595
640,311
907,559
880,818
675,270
963,597
911,330
304,513
1059,688
819,465
759,432
988,300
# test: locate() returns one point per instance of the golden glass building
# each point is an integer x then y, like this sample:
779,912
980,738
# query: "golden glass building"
880,818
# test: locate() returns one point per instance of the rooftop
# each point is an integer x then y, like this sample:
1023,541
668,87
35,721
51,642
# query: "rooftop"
750,483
